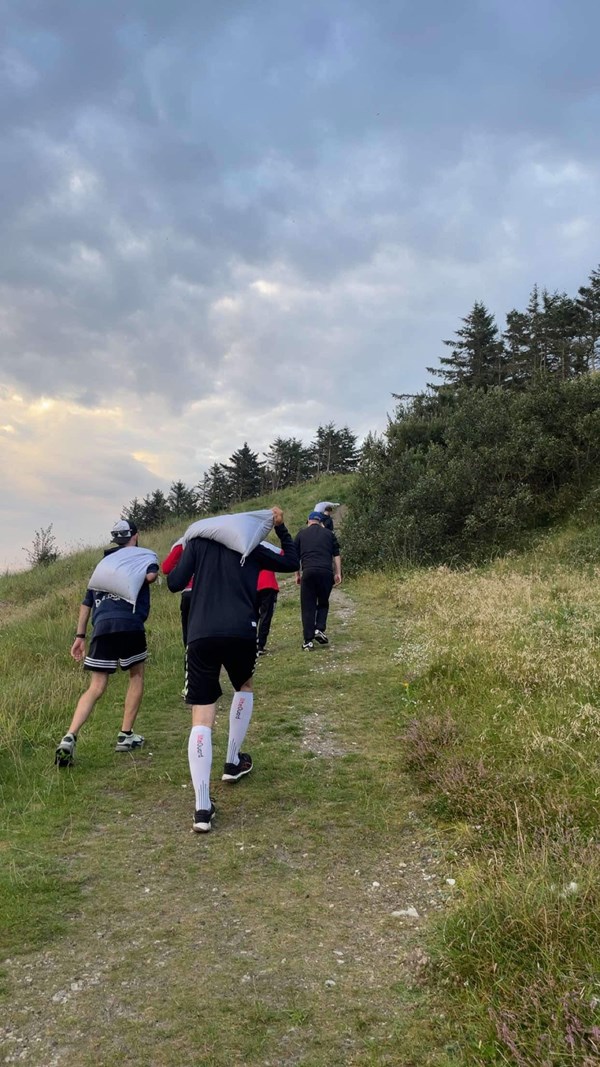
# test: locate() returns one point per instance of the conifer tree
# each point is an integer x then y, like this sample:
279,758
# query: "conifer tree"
589,302
244,473
181,500
219,493
477,359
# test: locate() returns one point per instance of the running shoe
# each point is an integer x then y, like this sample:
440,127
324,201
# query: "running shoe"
321,638
203,820
65,751
232,772
127,742
308,646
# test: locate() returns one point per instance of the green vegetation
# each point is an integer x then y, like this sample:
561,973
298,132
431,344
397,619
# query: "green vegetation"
445,747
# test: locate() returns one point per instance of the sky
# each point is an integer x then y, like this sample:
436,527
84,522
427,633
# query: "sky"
224,222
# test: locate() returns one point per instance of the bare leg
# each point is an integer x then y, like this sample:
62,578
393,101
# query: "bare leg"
133,696
87,701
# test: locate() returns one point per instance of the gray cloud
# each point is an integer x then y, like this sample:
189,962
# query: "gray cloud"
256,207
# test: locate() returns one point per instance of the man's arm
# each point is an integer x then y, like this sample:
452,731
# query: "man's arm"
288,560
152,574
173,558
181,574
337,575
78,646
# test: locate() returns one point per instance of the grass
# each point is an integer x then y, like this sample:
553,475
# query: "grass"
128,939
442,754
501,668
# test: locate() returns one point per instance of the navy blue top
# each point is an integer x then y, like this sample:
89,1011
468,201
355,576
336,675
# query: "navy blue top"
113,615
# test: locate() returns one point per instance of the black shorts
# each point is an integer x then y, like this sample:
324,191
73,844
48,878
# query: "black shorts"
110,651
204,659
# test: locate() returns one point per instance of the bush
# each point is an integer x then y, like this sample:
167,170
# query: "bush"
43,549
461,477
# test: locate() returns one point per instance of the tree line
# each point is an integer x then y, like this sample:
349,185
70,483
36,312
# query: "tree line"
507,442
556,335
288,461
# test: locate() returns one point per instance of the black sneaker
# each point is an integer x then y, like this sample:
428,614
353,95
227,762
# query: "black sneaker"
65,751
232,772
308,646
321,638
203,820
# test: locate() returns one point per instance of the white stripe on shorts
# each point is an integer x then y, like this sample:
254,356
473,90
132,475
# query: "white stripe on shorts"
133,659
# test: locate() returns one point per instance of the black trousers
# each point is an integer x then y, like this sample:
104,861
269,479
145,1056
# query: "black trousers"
186,600
266,600
315,589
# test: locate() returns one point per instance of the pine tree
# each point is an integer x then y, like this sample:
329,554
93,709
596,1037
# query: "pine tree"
154,510
288,462
333,451
589,302
219,494
203,494
517,349
244,473
477,359
181,500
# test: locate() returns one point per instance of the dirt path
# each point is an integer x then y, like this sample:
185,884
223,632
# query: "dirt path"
289,936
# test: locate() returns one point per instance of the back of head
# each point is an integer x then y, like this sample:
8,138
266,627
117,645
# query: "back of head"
315,516
122,532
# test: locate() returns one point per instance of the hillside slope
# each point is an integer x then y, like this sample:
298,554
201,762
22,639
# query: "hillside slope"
410,876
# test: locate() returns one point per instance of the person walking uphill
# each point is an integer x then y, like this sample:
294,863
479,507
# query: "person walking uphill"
118,639
321,568
222,628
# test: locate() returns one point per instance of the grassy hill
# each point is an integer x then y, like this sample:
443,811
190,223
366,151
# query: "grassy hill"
410,876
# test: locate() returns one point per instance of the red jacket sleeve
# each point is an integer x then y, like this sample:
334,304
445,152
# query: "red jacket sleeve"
172,559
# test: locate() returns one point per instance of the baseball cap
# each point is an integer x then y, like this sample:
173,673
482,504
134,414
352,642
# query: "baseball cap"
316,515
122,531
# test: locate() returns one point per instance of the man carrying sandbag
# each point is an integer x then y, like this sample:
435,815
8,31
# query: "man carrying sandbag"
118,635
222,628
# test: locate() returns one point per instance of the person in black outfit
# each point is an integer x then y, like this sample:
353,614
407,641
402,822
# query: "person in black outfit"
325,507
321,569
222,627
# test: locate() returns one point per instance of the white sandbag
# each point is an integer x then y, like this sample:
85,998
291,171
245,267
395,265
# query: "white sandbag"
241,532
123,573
275,549
325,504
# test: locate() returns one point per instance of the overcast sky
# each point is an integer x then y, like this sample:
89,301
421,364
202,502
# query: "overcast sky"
226,221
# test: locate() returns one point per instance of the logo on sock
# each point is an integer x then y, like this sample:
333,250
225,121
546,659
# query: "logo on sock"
199,745
240,707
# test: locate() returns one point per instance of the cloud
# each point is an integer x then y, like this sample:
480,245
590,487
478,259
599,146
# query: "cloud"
222,222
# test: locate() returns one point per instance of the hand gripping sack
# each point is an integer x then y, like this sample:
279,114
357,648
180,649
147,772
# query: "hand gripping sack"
241,532
123,573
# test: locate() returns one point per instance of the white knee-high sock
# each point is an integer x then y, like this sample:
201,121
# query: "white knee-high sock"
240,714
200,759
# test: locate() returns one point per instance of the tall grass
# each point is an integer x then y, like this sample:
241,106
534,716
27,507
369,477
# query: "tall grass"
502,675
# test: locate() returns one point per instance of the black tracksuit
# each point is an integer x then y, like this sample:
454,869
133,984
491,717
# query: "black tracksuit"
316,547
223,596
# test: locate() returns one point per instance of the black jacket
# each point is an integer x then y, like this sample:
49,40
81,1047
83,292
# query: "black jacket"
316,547
223,597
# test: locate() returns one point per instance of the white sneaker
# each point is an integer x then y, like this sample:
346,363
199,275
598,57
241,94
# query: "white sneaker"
65,751
126,742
